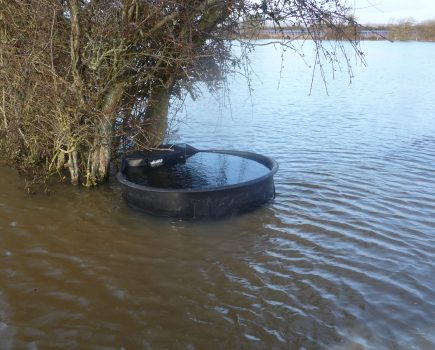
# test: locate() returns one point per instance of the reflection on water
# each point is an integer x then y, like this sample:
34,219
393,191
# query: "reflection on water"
201,171
344,258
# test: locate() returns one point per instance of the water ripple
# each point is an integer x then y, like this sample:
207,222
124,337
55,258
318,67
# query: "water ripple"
343,258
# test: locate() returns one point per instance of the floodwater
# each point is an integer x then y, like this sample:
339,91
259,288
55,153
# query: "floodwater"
343,258
203,170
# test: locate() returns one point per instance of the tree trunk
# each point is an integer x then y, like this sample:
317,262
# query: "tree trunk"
73,167
75,43
100,154
156,116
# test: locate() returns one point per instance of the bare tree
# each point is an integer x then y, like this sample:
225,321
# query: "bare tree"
79,76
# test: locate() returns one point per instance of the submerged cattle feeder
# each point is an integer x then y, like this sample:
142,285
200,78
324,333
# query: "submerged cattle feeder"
180,181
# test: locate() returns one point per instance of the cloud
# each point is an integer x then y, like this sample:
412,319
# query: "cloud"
384,11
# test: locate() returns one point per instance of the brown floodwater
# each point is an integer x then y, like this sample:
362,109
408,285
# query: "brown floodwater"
343,258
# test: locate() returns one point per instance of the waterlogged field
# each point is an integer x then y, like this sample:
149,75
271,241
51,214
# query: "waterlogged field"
343,258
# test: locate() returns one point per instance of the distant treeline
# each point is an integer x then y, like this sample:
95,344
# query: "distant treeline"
401,31
411,30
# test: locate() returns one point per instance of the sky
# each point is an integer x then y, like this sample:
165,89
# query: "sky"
387,11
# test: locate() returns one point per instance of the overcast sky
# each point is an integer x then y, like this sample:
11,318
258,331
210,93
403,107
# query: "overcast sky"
386,11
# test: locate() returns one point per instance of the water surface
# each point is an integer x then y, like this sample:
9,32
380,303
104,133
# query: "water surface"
203,170
344,258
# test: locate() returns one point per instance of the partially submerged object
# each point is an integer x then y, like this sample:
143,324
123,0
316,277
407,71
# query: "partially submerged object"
182,182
